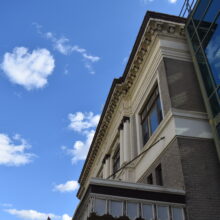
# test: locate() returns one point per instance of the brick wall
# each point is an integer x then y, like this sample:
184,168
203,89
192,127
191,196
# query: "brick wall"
201,170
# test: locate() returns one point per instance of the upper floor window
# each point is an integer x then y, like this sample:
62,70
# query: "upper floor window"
158,174
151,115
116,159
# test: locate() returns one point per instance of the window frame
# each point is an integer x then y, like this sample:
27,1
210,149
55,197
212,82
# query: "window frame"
116,159
159,175
153,101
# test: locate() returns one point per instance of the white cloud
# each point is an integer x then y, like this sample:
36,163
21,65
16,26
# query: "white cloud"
80,148
31,214
172,1
63,46
29,70
59,44
83,123
66,217
12,151
69,186
213,53
35,215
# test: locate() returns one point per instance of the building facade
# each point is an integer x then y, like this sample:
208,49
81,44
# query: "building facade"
153,156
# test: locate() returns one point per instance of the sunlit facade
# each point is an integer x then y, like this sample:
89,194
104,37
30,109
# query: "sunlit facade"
153,156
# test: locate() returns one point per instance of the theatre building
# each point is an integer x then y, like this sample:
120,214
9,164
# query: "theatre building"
154,154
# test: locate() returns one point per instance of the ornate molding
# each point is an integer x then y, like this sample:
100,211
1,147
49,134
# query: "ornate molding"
153,28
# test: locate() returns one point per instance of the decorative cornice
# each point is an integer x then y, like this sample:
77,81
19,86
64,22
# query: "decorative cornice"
152,28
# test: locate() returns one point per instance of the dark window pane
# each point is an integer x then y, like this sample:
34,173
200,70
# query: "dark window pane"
214,105
150,179
159,178
159,111
116,160
190,29
204,72
218,129
203,29
195,42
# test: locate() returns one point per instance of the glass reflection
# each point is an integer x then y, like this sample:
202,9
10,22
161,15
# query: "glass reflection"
162,213
132,209
100,206
177,213
212,51
116,208
148,212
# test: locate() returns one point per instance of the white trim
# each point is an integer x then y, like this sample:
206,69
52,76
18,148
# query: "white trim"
136,186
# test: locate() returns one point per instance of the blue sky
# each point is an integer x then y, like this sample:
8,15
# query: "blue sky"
57,62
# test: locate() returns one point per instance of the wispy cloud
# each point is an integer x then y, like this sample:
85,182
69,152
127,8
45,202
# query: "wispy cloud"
125,60
84,124
28,69
172,1
62,45
81,122
12,151
68,186
35,215
146,1
6,205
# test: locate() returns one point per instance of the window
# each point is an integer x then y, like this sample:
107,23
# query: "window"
158,173
116,208
151,115
116,159
148,211
162,212
150,179
100,206
177,213
132,210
